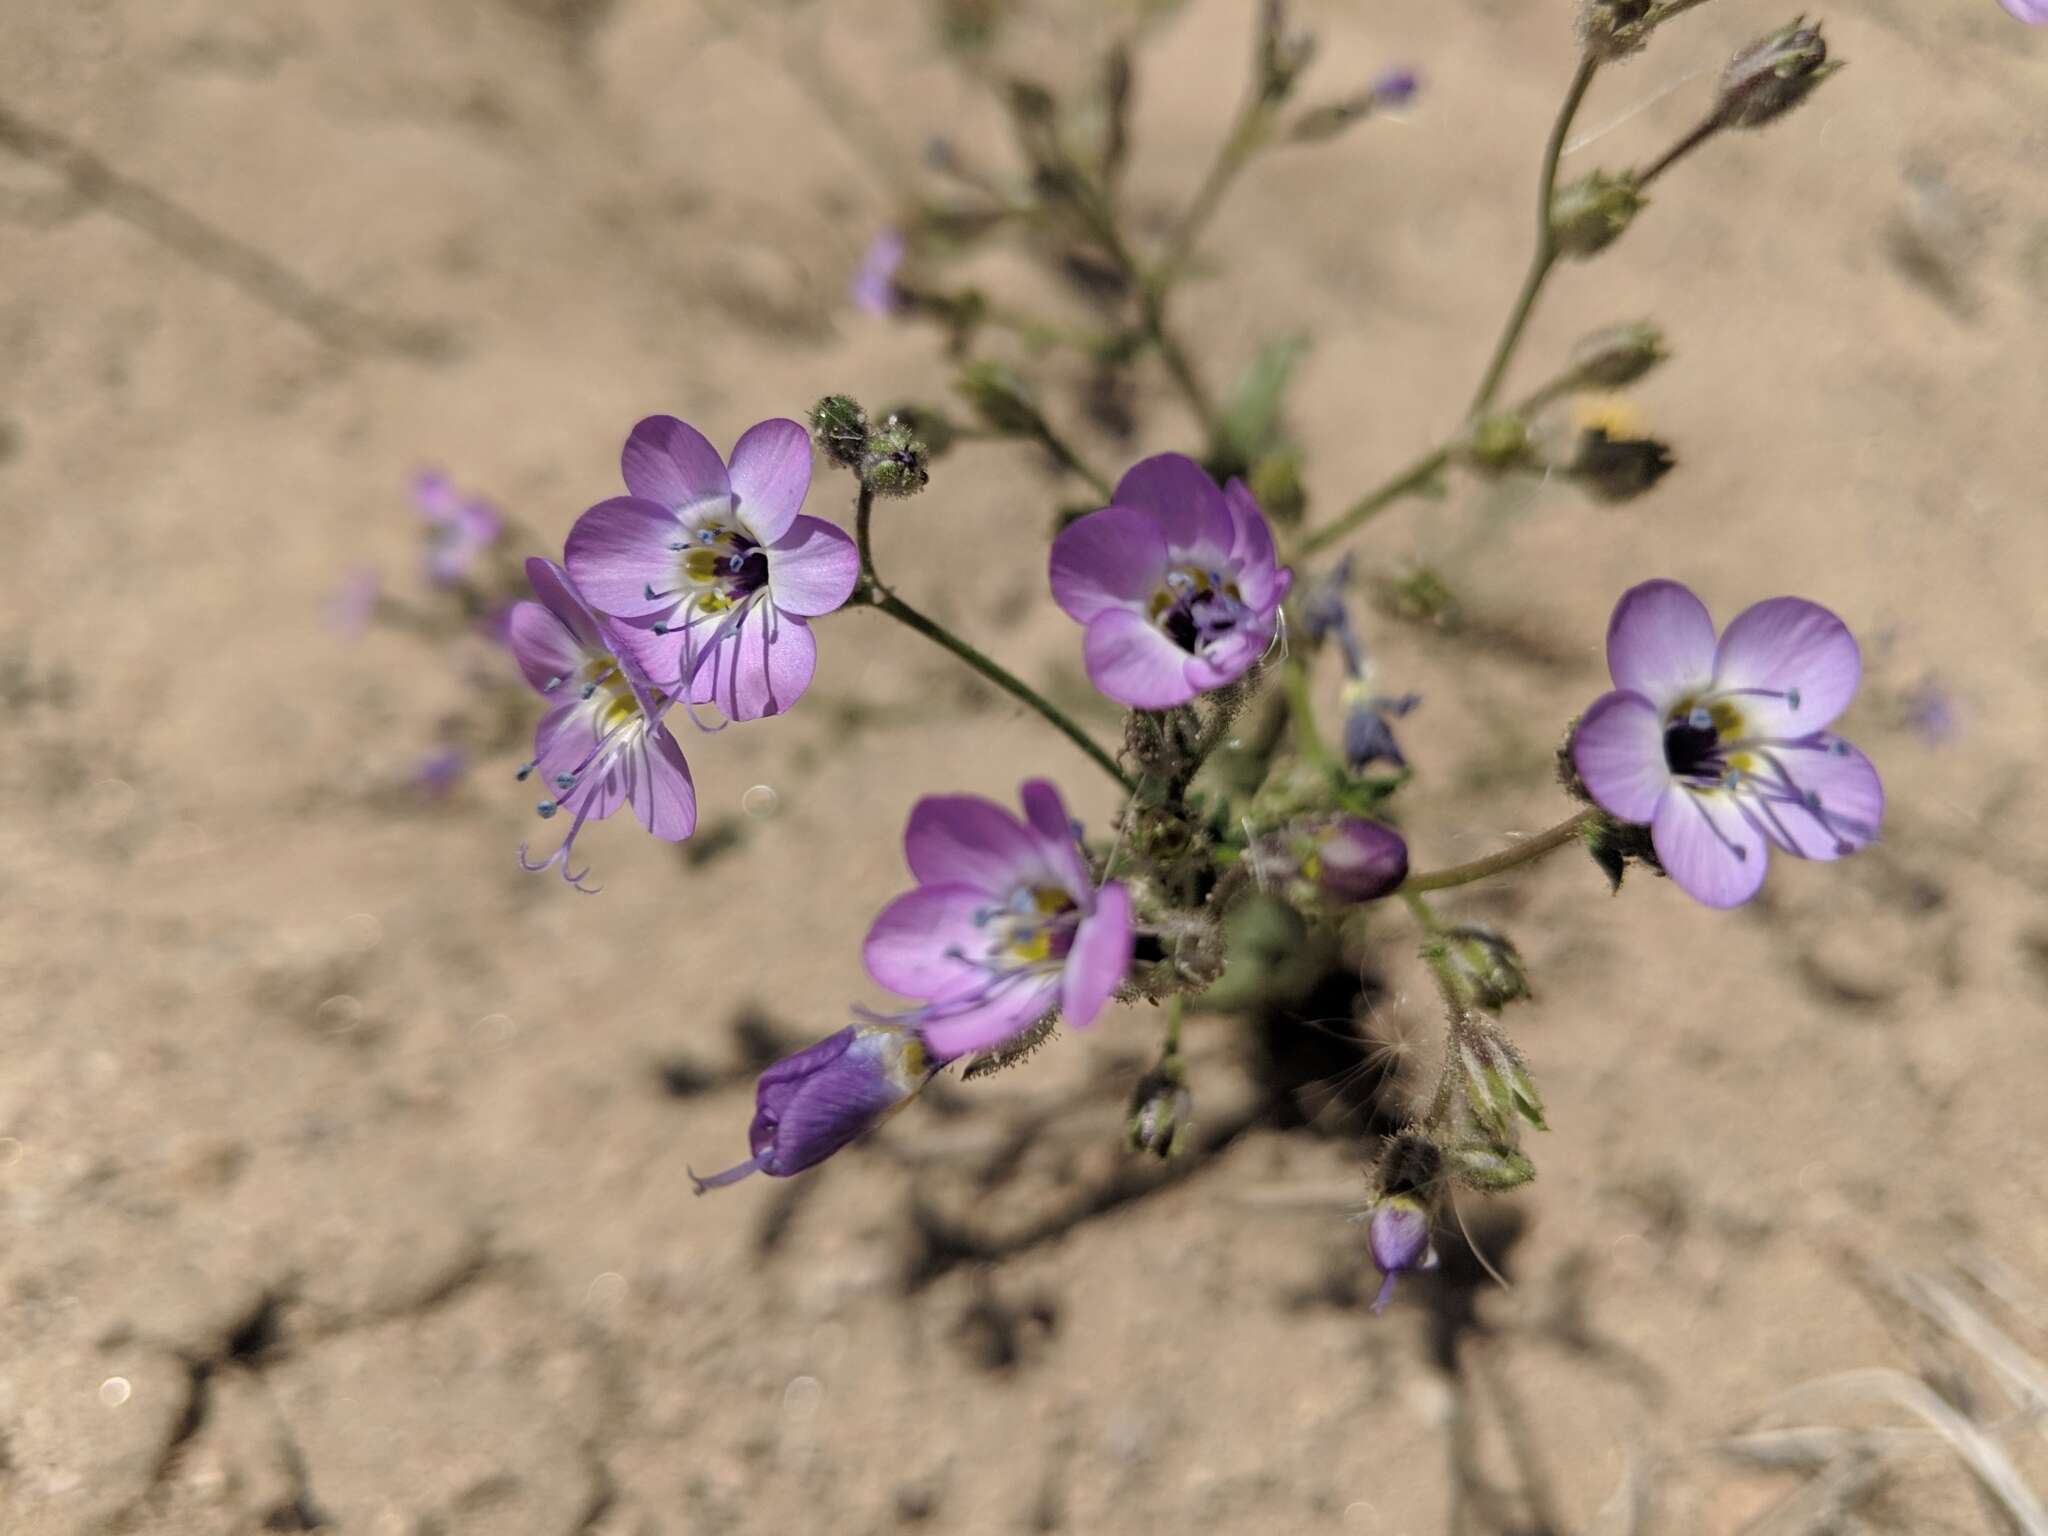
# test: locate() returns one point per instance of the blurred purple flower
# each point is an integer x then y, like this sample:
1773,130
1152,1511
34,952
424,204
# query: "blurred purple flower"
2033,12
1369,726
712,568
809,1105
459,527
1345,860
1004,926
1721,746
1395,87
1175,581
353,602
440,771
873,288
603,743
1928,710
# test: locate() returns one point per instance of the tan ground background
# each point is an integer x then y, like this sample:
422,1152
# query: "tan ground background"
423,1261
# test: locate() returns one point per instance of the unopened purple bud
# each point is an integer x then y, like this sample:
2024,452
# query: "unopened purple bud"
809,1105
1356,860
440,771
1369,727
873,287
1398,1233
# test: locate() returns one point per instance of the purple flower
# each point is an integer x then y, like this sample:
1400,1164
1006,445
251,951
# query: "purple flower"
1369,726
1395,87
808,1106
1722,747
1175,581
353,602
1398,1233
713,568
440,771
873,289
2033,12
459,527
603,743
1004,925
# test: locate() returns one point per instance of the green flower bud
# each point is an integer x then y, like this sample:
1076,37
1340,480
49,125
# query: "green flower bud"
1499,443
1588,215
933,427
1485,966
1498,1088
1614,29
840,429
1773,75
1614,845
1617,356
894,462
1483,1166
1001,398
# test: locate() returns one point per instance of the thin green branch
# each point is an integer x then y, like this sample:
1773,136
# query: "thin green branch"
1524,852
875,595
1545,256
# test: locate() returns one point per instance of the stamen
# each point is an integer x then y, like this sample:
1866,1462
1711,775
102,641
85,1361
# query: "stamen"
524,770
589,689
553,683
547,808
565,782
1792,698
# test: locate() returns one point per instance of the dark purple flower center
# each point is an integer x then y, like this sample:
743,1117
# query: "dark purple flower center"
1692,749
1196,608
720,567
1036,924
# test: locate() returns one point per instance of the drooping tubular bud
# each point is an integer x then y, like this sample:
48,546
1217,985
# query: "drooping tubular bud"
1773,75
1617,356
1398,1232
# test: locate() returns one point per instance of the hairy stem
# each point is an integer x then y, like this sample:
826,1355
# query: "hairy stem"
1525,852
1308,739
1410,480
1072,461
1545,256
875,595
1677,152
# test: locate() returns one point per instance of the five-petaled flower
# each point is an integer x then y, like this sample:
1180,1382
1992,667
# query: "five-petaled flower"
1005,924
712,568
1176,583
603,743
1722,746
808,1106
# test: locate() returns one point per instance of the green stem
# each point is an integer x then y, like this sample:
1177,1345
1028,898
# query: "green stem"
1175,1006
1060,449
1545,257
1525,852
872,592
1294,677
1680,150
1247,133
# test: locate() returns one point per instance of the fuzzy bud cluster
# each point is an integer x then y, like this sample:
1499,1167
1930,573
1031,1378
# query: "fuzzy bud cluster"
1773,75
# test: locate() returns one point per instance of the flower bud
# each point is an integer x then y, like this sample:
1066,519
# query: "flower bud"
1499,443
809,1105
1617,356
1480,1164
1498,1087
1001,398
1614,29
1394,88
1588,215
1398,1233
840,429
1486,966
1161,1106
895,462
933,427
1773,75
1342,860
1615,459
1281,55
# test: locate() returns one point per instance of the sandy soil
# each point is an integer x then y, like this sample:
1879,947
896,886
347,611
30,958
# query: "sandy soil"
342,1164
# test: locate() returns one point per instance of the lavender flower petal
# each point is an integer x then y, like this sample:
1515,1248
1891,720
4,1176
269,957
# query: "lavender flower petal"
1660,642
770,475
615,547
1008,1011
1134,662
1619,753
2033,12
919,943
671,462
1706,844
1112,559
663,795
1792,665
1100,958
1045,815
1820,798
873,288
966,840
812,568
1191,510
759,668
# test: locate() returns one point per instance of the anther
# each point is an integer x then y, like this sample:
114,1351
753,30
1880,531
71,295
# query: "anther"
546,808
677,549
1701,718
554,683
1792,698
524,770
589,689
661,629
565,782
